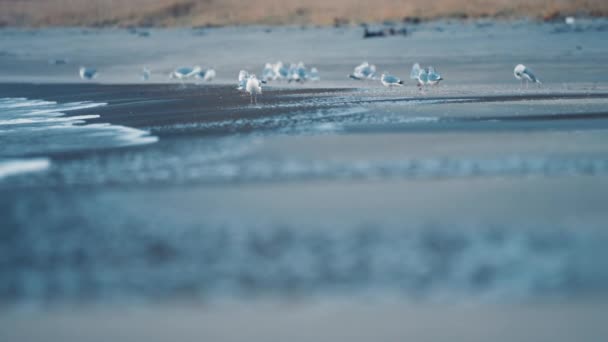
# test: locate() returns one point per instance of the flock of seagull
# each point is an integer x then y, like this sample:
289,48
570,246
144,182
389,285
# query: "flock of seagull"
423,76
249,83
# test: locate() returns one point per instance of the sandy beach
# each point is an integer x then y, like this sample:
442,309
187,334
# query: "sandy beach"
171,13
331,210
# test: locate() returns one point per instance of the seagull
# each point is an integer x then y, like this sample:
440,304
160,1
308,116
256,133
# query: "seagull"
145,74
390,81
524,74
268,73
363,71
185,72
570,21
210,74
314,75
59,61
253,87
302,72
243,77
415,73
206,75
433,77
425,76
293,74
88,73
280,70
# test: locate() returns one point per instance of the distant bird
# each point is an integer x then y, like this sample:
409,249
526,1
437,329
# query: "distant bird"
425,76
363,71
242,83
59,61
524,74
367,33
390,81
293,74
268,73
206,75
145,74
302,72
415,74
254,88
280,70
313,75
88,73
570,21
183,73
210,75
433,77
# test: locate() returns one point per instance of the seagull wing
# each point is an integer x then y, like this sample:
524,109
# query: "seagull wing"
531,76
391,79
415,71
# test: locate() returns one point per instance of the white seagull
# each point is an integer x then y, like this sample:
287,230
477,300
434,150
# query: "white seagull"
425,76
268,73
185,72
253,87
145,73
280,70
419,74
524,74
243,77
206,75
390,81
88,73
296,73
314,75
363,71
433,77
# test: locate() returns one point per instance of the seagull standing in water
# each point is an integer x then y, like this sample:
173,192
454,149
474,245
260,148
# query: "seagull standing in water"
253,87
524,74
390,81
88,73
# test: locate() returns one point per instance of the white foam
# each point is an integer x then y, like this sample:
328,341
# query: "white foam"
56,132
17,166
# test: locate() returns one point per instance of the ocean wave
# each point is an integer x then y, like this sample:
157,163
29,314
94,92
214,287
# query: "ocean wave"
39,127
12,167
235,163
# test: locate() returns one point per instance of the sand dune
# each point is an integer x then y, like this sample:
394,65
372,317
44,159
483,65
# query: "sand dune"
226,12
